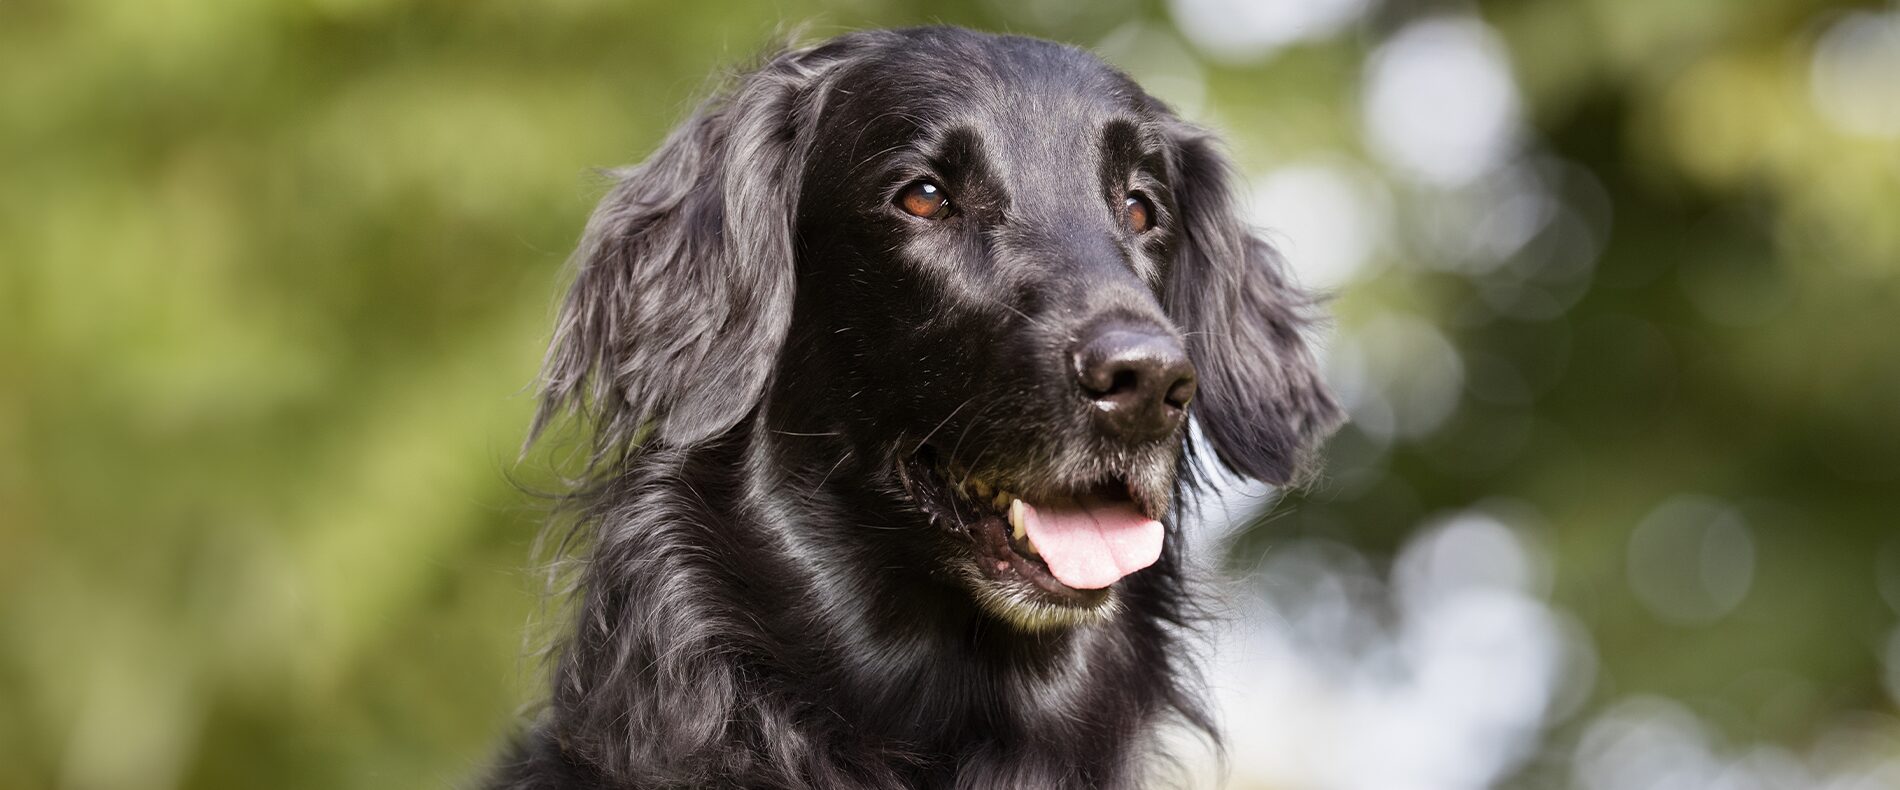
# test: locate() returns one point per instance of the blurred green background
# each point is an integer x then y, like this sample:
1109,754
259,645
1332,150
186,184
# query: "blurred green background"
1616,317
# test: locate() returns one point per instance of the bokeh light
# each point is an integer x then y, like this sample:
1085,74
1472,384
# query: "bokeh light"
1446,668
1330,216
1440,103
1854,64
1691,560
1251,30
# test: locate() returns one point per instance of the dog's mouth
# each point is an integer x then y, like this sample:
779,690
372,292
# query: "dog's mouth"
1043,555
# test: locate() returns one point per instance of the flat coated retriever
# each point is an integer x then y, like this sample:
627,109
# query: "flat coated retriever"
886,359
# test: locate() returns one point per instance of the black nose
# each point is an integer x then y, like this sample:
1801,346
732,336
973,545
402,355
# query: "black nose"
1140,380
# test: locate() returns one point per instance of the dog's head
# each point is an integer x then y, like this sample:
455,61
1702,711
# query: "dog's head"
989,269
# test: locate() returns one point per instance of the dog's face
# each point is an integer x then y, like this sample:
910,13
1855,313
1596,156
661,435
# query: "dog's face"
983,235
992,266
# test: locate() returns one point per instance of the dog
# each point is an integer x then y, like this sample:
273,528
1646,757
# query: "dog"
885,362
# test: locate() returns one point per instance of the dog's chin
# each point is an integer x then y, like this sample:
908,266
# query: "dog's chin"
1096,531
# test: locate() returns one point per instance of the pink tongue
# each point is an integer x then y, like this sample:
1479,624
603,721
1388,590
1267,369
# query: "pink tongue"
1093,543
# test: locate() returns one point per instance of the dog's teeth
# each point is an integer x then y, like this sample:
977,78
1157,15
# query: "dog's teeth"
981,488
1016,514
1002,499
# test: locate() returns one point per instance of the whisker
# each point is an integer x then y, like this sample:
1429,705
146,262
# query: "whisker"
945,421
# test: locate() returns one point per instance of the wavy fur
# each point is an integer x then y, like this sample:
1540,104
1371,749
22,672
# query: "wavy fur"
759,351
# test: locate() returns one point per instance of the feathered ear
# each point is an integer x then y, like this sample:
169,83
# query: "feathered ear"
684,288
1261,404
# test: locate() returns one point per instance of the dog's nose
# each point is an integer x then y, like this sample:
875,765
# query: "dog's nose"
1140,380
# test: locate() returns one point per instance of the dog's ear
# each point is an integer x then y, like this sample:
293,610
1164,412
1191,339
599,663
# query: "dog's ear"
1261,403
684,285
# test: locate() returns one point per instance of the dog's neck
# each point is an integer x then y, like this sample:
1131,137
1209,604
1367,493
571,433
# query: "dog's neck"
751,581
885,613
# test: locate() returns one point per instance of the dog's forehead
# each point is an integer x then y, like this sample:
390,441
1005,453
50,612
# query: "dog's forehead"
1043,99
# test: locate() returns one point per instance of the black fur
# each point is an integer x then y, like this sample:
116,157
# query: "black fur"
783,377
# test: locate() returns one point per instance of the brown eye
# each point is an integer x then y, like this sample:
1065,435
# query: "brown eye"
1140,215
924,199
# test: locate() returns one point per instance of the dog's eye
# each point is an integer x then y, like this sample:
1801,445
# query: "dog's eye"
924,199
1138,213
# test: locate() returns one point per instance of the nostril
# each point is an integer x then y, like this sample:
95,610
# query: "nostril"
1181,393
1125,381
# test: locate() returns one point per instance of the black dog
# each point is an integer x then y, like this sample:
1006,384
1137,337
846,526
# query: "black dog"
887,356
